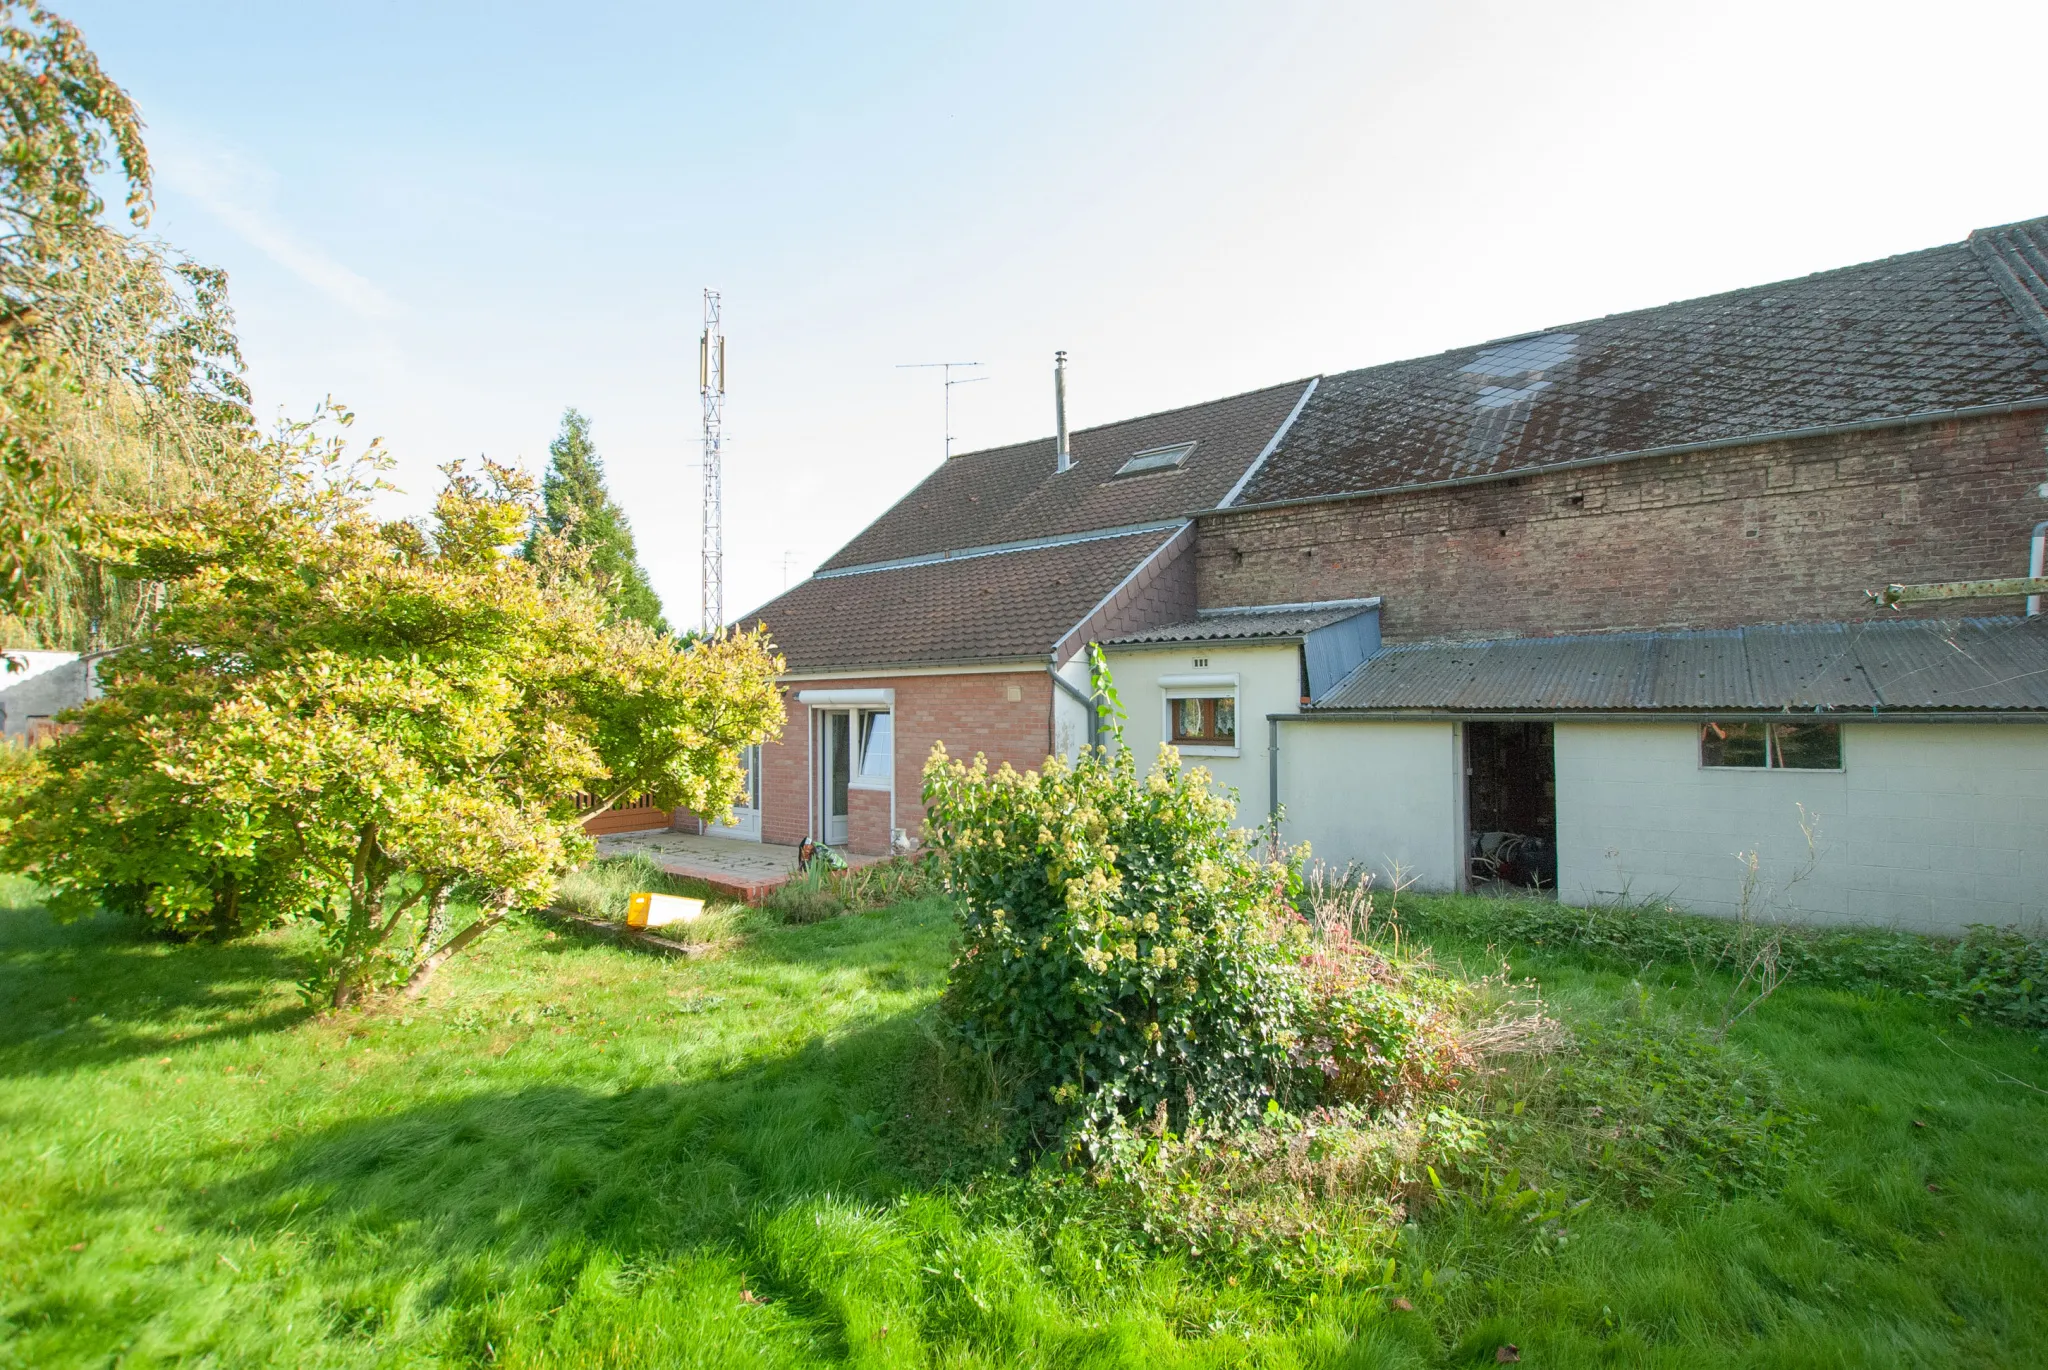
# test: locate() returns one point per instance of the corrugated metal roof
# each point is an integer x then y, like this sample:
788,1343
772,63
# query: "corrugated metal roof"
1213,625
1887,665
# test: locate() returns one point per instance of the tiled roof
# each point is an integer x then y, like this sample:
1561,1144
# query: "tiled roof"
1010,605
1242,625
1014,494
1886,665
1947,328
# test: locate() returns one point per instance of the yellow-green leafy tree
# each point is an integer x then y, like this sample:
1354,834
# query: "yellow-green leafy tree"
352,721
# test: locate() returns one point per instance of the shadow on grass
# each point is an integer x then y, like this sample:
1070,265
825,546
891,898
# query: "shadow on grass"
498,1207
101,990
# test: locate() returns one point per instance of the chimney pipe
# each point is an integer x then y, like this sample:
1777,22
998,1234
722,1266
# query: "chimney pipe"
1063,453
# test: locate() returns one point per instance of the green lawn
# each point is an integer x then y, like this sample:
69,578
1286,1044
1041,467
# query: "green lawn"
575,1154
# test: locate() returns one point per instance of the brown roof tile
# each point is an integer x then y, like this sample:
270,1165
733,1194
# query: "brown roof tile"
1013,494
1919,333
1011,604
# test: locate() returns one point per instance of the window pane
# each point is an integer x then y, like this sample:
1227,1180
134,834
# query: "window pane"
1226,720
1733,744
750,792
875,746
1187,716
1807,746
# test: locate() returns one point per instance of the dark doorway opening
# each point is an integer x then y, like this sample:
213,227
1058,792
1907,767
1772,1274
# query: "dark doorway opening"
1511,805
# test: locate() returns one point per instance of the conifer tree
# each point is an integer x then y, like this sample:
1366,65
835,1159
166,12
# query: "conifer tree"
578,509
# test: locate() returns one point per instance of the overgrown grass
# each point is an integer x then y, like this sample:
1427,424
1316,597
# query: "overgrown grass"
578,1154
602,890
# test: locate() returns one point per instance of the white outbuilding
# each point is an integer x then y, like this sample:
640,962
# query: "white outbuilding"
1889,773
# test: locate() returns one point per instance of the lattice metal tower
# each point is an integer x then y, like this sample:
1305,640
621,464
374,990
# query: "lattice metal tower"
711,386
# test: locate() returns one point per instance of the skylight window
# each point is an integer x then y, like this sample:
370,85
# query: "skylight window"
1156,459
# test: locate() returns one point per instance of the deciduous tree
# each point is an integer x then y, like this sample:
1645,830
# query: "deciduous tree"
351,721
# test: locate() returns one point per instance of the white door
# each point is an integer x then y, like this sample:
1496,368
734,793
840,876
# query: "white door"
746,810
836,773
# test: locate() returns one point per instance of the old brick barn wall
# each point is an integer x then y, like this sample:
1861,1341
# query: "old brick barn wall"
1775,532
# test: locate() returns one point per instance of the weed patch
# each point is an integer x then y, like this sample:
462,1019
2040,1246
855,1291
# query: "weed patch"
1996,974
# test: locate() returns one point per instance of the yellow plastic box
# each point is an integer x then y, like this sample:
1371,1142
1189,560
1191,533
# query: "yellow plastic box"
659,910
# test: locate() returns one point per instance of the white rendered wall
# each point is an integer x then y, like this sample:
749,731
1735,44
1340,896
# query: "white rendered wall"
1379,794
1070,715
1927,826
1269,681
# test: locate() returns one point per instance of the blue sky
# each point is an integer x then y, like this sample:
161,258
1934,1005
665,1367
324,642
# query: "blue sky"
460,218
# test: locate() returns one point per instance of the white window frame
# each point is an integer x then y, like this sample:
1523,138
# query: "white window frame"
860,778
1771,749
1173,687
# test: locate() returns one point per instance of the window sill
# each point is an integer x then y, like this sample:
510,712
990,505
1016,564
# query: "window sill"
884,786
1204,749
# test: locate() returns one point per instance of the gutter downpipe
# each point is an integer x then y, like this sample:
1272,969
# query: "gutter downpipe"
2037,565
1272,767
1094,716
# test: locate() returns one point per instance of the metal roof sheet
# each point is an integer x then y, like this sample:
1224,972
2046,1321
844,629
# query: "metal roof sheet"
1242,624
1887,665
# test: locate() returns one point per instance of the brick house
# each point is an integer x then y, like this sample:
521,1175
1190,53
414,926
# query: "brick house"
960,615
1518,609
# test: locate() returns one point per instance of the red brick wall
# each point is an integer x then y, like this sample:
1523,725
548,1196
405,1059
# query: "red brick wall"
867,822
1777,532
969,713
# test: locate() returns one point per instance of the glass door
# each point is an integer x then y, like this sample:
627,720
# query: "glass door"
746,810
838,728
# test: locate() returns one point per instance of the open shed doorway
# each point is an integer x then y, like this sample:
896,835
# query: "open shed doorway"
1511,806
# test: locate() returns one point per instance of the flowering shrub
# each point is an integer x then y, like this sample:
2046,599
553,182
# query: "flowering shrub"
1124,954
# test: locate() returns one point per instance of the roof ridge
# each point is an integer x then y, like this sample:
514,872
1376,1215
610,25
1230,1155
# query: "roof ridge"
2015,256
1525,334
1134,418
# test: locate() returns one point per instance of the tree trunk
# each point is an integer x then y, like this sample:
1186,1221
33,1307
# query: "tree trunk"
417,984
436,926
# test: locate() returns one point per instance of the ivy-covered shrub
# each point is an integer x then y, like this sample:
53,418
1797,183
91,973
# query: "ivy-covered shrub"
1124,955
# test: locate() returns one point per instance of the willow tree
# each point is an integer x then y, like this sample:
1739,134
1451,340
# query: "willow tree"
120,377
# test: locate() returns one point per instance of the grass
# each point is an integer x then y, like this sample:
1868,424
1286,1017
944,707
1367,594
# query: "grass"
577,1154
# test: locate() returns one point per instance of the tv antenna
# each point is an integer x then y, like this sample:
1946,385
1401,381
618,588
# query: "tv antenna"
711,388
950,382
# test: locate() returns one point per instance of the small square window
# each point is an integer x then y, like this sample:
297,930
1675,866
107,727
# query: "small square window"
1156,459
1734,744
1807,746
1207,721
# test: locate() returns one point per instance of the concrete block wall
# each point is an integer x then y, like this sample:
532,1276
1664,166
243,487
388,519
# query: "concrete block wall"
1776,532
1927,826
